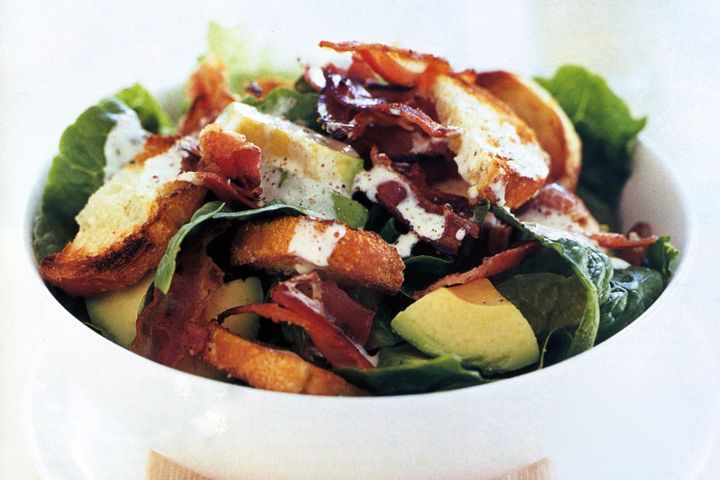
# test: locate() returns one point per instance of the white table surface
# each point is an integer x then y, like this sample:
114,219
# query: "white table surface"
54,61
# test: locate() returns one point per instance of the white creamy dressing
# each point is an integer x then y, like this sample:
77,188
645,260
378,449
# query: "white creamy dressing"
550,219
420,143
284,105
279,185
124,141
554,234
497,187
405,244
313,244
162,168
619,263
426,224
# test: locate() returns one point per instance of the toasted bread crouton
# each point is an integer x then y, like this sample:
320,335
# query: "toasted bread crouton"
541,112
125,227
301,244
497,154
271,368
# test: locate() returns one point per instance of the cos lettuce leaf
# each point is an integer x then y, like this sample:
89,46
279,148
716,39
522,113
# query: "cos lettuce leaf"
404,370
153,117
300,108
210,211
632,291
75,173
608,133
78,169
244,60
592,268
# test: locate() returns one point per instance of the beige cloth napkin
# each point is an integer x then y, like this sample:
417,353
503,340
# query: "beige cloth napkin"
162,468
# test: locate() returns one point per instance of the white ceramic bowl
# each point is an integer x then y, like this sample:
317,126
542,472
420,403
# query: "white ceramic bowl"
97,408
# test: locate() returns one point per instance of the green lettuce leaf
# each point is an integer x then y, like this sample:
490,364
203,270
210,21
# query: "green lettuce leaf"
210,211
422,270
75,173
153,117
300,108
381,334
349,211
632,291
660,257
608,132
592,268
404,370
555,347
547,300
245,61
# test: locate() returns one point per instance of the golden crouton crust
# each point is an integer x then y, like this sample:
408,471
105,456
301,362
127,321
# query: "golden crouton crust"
125,262
540,111
499,169
271,368
360,258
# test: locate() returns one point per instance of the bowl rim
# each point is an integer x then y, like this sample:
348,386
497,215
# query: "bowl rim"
517,383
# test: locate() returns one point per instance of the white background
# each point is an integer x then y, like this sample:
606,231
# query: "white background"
55,60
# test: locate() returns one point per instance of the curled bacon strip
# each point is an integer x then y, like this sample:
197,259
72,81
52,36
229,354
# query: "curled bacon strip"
397,188
229,166
564,208
170,328
636,256
230,154
222,187
396,65
210,93
366,108
489,267
305,301
620,241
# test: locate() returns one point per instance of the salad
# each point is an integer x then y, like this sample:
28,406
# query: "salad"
384,224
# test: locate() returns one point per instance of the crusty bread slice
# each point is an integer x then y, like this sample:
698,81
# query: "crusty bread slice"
125,227
497,154
271,368
541,112
352,257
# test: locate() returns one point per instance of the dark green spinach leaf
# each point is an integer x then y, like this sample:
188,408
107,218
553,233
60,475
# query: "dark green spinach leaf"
404,370
555,347
660,257
210,211
548,301
632,291
592,268
422,270
381,334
